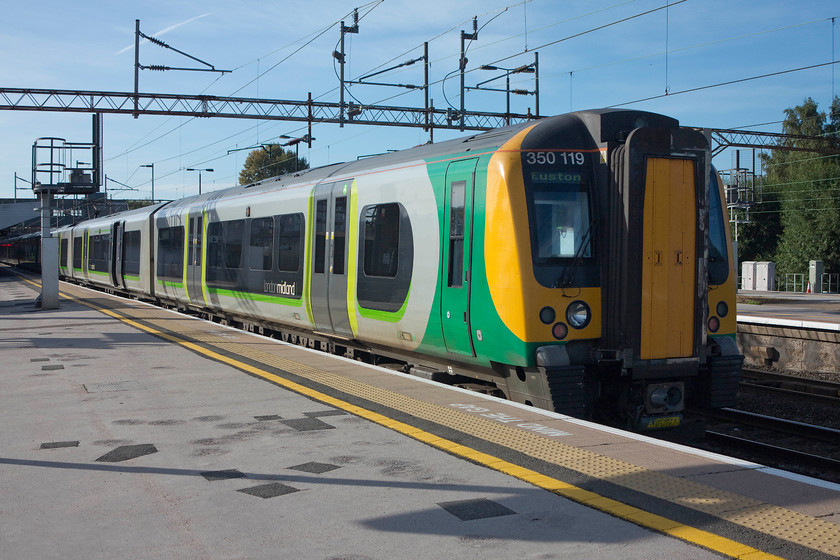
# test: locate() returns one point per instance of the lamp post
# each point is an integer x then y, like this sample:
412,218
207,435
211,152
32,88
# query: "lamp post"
152,166
209,170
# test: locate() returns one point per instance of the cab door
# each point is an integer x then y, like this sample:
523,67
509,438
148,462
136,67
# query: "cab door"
457,257
328,283
195,251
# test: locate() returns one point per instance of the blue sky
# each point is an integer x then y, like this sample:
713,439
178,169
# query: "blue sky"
89,45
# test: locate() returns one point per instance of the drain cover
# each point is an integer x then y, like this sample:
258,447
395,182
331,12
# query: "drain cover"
111,386
126,452
481,508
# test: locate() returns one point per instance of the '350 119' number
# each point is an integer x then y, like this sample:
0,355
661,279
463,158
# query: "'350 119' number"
550,158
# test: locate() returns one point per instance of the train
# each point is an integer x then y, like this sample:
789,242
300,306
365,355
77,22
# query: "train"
579,263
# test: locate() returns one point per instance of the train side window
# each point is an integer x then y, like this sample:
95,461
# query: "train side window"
382,240
260,245
77,253
62,252
100,248
234,236
214,245
289,251
457,201
170,257
131,253
339,229
386,254
320,235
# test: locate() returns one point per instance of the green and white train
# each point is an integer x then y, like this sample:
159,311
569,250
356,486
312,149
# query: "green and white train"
579,263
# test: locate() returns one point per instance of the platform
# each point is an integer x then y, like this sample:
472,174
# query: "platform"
790,331
131,431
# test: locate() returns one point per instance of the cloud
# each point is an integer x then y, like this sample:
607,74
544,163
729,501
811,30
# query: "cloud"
163,31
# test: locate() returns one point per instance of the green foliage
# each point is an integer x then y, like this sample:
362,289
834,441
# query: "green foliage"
799,218
270,161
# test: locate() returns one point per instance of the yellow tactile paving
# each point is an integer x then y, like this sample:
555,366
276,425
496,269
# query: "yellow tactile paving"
747,512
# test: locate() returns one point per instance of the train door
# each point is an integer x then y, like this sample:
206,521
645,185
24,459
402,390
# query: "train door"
457,257
116,256
658,216
668,262
85,250
195,238
328,281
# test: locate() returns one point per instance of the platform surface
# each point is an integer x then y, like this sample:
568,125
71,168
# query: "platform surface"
130,431
790,309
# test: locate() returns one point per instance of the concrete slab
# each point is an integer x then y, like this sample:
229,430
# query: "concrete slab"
374,493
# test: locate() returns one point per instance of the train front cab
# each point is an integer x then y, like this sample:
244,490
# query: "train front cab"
615,263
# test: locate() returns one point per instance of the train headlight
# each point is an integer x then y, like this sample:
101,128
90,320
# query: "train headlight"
547,315
578,314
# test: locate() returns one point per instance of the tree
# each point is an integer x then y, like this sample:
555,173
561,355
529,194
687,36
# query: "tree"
270,160
807,185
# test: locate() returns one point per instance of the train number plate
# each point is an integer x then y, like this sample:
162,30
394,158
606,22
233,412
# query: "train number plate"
663,422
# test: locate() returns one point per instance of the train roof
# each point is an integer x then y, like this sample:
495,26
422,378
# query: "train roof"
601,124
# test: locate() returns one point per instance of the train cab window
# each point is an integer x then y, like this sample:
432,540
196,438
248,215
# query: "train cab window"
77,253
131,253
718,251
290,235
261,244
170,256
562,221
562,225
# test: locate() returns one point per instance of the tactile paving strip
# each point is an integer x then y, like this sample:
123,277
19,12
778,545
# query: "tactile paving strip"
747,512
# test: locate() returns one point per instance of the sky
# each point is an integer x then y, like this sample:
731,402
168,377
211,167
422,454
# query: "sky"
592,54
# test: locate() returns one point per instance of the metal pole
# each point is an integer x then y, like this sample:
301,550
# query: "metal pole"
507,93
426,82
199,181
136,68
341,79
537,83
463,63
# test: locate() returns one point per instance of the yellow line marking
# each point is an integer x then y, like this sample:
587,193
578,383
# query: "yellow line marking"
627,512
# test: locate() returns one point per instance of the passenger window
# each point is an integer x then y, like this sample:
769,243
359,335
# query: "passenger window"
381,240
131,252
290,229
262,240
170,262
77,253
214,245
234,236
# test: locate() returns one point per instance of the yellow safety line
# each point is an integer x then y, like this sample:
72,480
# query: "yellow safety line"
630,513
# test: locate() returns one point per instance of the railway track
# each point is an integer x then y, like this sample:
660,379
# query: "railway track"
824,393
786,444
